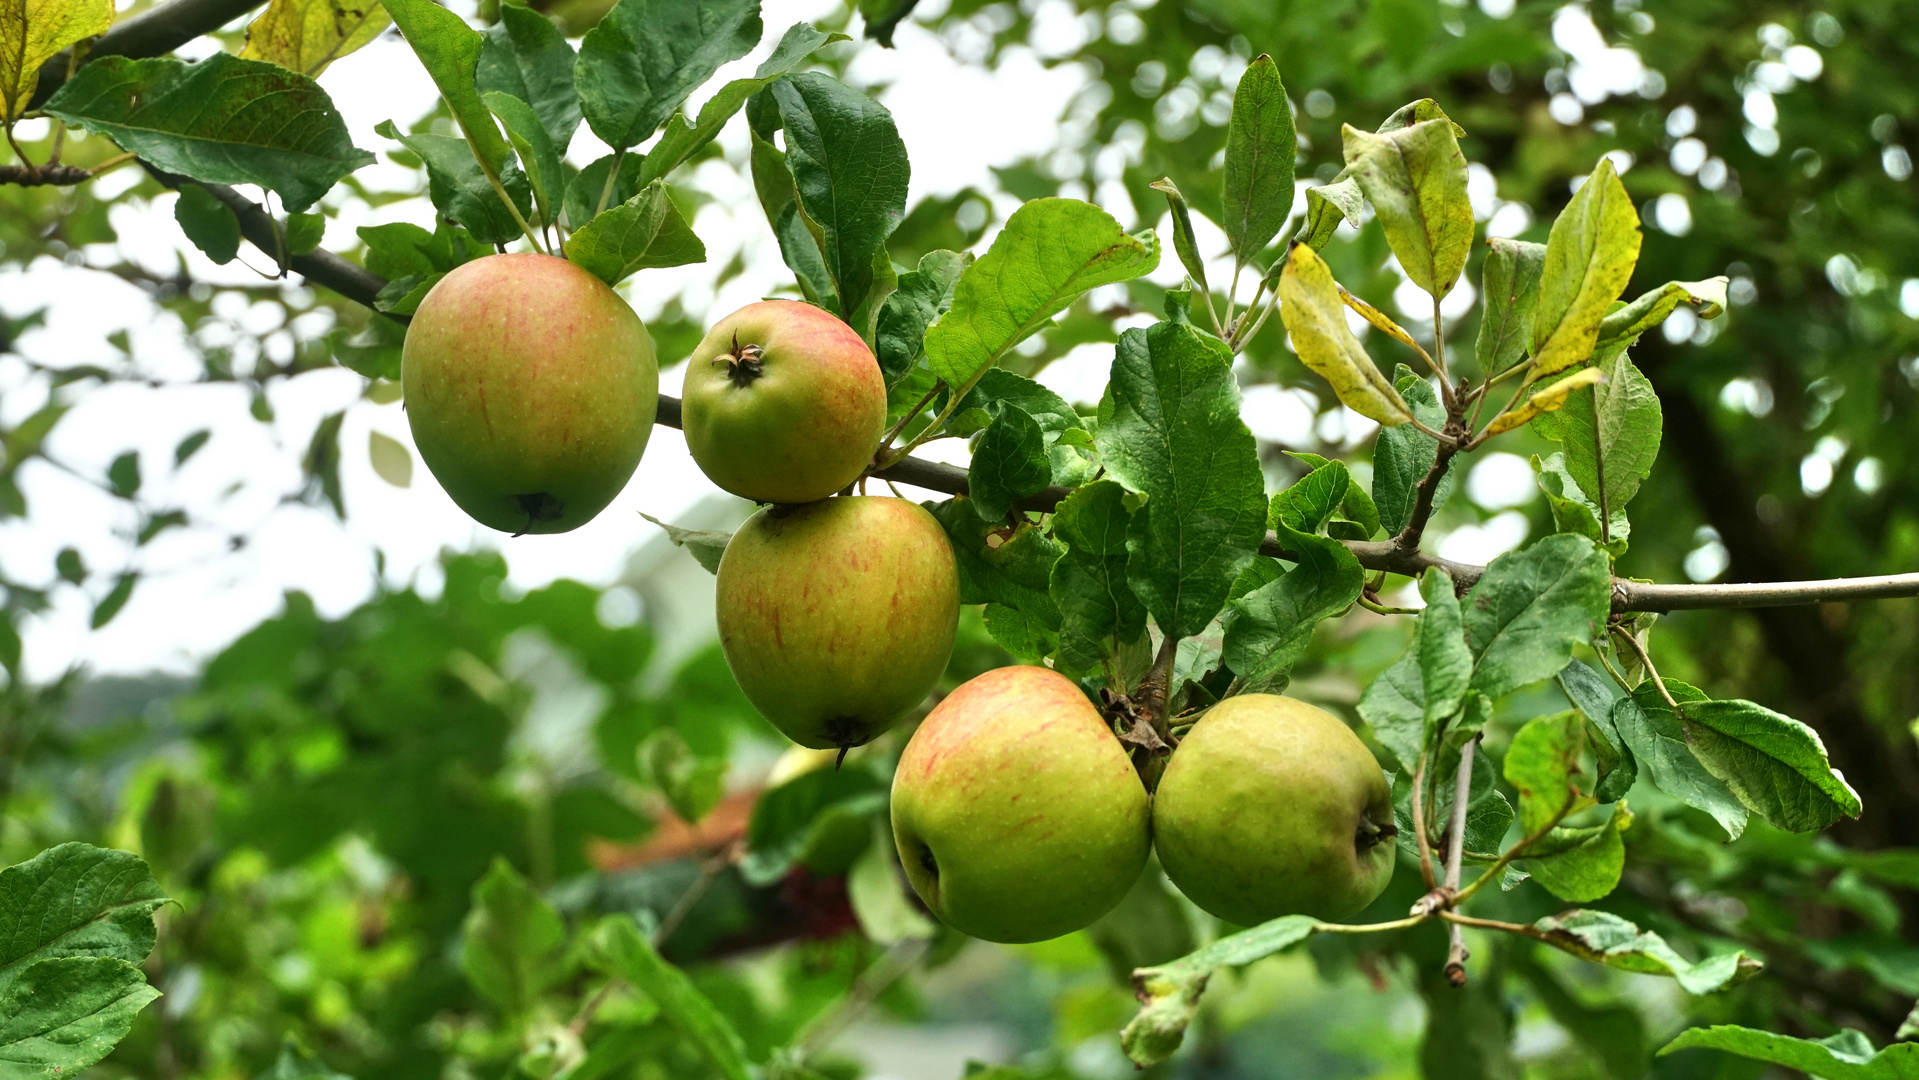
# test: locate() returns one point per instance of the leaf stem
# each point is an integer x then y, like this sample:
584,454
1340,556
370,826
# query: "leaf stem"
1506,857
1646,659
1370,928
1419,823
612,174
1439,356
892,433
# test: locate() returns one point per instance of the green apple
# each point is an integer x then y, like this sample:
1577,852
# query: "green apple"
1269,807
838,616
531,389
783,403
1018,815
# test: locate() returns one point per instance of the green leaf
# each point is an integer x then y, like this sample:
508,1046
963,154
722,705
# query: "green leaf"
923,295
296,1062
190,446
1543,764
223,120
1315,318
1415,177
1326,206
786,817
1775,765
1531,607
1273,624
304,233
124,474
1658,739
1050,252
33,32
513,941
60,1016
1611,430
704,545
1590,694
400,249
116,598
1845,1056
460,189
1011,575
692,784
1572,511
1169,993
1260,147
1624,325
849,171
1063,431
877,891
1311,500
1099,615
390,459
632,957
583,192
1009,463
71,568
1404,455
1604,938
1184,243
208,222
75,900
1445,660
1169,428
449,49
1589,258
1580,865
1394,704
682,140
798,248
642,233
538,157
645,56
525,56
1510,280
307,35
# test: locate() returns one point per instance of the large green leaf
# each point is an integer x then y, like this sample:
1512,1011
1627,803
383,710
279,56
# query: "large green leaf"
1273,624
1589,258
645,56
633,958
1049,252
1605,938
1394,704
1099,614
1580,865
460,189
539,158
307,35
1543,765
1169,993
849,171
525,56
449,49
682,139
1415,177
1169,427
1532,607
773,180
1403,455
1260,147
643,233
1510,281
1845,1056
208,222
788,816
33,32
223,120
62,1015
1610,431
1775,765
1445,660
513,943
1009,463
924,294
76,900
1063,432
1657,738
1315,318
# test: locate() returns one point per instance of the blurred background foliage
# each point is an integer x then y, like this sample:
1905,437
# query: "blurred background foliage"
323,797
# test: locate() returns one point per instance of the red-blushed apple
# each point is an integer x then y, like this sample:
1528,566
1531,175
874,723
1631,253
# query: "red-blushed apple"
1269,807
838,616
783,403
531,389
1017,813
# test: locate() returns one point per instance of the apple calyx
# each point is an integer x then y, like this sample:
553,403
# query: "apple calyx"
1370,835
744,364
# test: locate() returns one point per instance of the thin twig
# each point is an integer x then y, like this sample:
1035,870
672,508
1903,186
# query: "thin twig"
1419,823
1506,857
1457,953
888,970
1651,671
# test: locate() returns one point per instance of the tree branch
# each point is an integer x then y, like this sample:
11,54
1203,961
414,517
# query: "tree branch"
154,32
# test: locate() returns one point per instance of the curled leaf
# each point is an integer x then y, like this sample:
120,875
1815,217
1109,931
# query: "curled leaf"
1545,401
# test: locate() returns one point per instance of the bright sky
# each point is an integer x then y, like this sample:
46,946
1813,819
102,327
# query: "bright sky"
957,120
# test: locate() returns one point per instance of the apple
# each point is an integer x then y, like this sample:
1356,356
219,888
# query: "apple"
1269,807
531,389
783,403
1017,813
838,616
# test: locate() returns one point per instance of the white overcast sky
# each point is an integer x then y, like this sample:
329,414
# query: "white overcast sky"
957,120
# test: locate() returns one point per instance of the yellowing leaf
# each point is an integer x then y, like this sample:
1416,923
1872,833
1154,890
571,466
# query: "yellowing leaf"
390,459
31,32
1315,317
307,35
1589,259
1545,401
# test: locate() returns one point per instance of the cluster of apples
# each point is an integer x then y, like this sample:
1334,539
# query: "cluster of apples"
532,388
